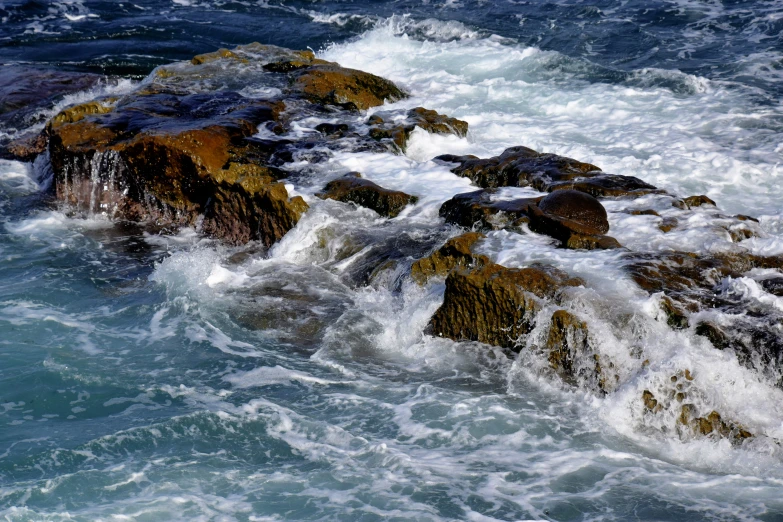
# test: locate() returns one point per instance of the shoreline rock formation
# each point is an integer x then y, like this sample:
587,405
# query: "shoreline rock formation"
191,147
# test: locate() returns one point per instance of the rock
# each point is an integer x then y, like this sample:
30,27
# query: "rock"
668,224
712,332
171,159
27,148
570,353
572,234
522,167
352,188
494,304
675,316
773,285
398,132
455,253
478,210
692,201
712,425
517,167
331,84
577,207
650,402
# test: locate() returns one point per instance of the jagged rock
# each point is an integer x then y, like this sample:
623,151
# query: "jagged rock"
712,425
521,167
773,285
494,304
712,332
668,224
398,132
476,209
675,316
570,353
457,252
171,159
182,145
27,148
692,201
352,188
331,84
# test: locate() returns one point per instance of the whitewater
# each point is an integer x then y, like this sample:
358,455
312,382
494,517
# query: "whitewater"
165,376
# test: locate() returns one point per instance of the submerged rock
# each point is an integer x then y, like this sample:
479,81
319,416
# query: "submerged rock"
570,353
398,132
496,305
352,188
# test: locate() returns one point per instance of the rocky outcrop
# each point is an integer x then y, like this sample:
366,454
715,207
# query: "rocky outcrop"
570,354
386,128
523,167
181,149
690,422
457,252
496,305
352,188
574,218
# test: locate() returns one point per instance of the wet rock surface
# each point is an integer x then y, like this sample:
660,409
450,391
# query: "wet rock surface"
523,167
387,129
183,147
496,305
352,188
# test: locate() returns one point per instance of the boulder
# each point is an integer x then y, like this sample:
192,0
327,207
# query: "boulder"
496,305
457,252
352,188
574,218
330,84
693,201
478,210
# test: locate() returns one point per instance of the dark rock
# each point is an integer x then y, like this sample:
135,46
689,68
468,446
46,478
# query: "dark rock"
365,193
712,332
455,253
572,234
668,224
606,185
494,304
332,129
676,317
773,285
477,210
577,207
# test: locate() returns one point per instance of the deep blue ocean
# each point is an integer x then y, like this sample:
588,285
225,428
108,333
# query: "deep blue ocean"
159,377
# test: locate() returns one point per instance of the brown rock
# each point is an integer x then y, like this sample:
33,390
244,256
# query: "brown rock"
171,159
455,253
494,304
570,233
365,193
693,201
27,148
331,84
570,353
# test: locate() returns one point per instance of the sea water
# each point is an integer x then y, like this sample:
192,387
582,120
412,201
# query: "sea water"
168,377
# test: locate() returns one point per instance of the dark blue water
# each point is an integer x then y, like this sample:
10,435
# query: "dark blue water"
735,40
